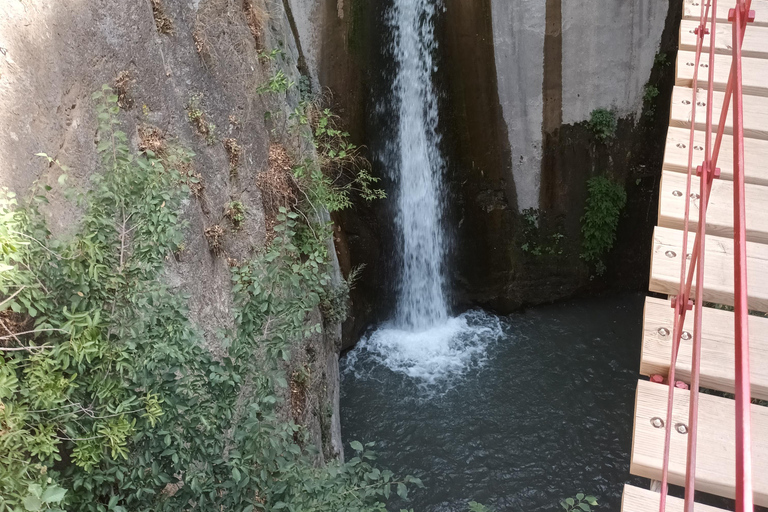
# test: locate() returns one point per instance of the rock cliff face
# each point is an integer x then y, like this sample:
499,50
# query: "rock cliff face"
169,62
518,79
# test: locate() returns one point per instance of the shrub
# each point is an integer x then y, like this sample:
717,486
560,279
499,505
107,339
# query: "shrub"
605,202
114,379
579,503
602,122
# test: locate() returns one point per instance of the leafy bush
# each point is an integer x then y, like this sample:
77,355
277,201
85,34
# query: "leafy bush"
579,503
535,243
603,124
601,217
276,83
338,168
112,403
650,92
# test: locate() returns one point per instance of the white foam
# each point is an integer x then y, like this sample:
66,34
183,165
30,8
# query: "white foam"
431,355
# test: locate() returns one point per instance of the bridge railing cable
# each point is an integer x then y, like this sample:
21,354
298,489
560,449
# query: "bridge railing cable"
708,172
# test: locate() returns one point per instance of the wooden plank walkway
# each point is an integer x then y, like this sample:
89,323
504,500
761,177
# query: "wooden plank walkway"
715,467
754,79
755,111
754,39
715,459
717,347
756,157
692,11
718,268
719,210
635,499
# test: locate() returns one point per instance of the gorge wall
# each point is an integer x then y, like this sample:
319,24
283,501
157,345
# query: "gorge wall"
518,79
518,82
170,63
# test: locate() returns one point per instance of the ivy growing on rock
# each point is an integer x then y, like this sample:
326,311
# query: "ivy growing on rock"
605,202
108,399
603,124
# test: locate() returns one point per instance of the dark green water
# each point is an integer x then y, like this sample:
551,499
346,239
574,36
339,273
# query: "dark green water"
539,409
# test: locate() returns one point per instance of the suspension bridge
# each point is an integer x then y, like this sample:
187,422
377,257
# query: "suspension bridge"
698,421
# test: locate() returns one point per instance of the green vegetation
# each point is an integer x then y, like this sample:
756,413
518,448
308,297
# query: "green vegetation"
235,212
338,168
579,503
477,507
277,83
605,202
199,120
110,401
603,124
536,243
650,92
661,59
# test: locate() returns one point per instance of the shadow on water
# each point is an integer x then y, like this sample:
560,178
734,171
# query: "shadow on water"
545,413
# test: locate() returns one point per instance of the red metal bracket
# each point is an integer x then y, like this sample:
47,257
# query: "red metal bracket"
732,15
699,171
701,31
676,306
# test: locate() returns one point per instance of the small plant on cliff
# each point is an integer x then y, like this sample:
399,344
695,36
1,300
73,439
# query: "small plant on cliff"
277,83
339,167
235,212
198,118
603,124
535,242
605,202
650,92
579,503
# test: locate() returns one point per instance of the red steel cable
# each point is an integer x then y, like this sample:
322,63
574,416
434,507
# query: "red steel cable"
681,300
704,190
741,306
734,87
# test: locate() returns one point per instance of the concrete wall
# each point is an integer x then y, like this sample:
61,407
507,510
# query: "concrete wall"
608,50
518,35
306,16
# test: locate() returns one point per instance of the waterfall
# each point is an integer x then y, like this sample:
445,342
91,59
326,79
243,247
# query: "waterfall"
417,168
421,341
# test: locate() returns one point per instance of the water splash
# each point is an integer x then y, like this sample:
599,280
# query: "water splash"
450,349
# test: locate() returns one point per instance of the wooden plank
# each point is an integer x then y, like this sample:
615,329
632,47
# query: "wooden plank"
715,457
718,268
756,155
717,347
672,201
635,499
755,112
754,72
754,39
692,11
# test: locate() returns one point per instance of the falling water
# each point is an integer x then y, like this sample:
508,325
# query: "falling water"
421,341
418,168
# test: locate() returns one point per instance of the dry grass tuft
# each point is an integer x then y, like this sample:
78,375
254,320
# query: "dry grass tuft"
234,151
162,21
299,382
12,324
256,18
152,139
277,186
123,84
214,234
